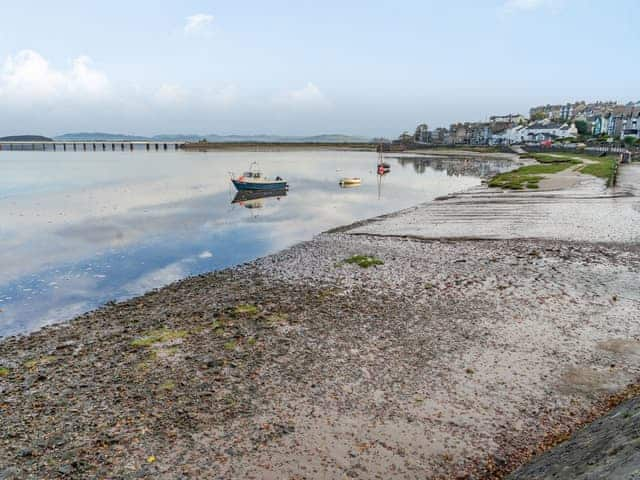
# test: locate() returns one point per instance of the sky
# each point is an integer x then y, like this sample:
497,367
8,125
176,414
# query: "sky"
305,67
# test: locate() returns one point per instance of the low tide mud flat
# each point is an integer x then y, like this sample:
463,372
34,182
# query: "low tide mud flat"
441,359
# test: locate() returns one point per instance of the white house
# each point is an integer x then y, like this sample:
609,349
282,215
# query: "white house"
508,136
536,132
546,130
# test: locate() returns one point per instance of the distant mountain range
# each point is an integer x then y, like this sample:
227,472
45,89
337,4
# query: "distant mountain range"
99,136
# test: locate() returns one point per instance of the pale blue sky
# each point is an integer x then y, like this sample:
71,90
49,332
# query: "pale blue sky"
305,67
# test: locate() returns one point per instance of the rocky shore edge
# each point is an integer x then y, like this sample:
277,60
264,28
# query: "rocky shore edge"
441,360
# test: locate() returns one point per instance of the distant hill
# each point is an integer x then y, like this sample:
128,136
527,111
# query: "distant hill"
330,138
25,138
88,136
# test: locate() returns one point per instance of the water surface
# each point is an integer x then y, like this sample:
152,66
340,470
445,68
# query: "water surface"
78,229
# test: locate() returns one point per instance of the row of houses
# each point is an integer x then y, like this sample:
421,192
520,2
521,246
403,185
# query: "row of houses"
608,118
536,132
620,122
545,123
497,132
571,111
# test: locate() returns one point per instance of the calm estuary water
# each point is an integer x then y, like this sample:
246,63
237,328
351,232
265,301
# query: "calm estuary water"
80,229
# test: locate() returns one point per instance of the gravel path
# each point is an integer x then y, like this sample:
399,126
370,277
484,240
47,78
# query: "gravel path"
450,360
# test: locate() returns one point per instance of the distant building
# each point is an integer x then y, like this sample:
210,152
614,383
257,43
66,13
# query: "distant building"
422,134
631,122
479,133
441,136
600,124
511,118
546,130
460,133
508,135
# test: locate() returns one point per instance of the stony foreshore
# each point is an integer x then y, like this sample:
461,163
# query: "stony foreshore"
457,358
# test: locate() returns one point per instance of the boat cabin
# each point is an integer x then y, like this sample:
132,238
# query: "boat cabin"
252,175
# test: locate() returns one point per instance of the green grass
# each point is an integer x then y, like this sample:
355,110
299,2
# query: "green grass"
37,362
556,158
605,167
158,336
246,310
364,261
230,345
168,385
4,371
528,176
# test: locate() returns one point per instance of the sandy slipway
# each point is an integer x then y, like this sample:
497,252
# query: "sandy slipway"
452,359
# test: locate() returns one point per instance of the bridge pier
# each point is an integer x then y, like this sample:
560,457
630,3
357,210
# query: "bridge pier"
165,146
148,146
131,147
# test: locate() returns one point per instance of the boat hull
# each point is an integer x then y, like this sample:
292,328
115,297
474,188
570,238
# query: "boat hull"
243,186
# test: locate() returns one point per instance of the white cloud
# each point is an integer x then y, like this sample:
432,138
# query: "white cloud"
309,96
205,254
176,96
199,23
156,278
222,96
28,77
511,6
171,95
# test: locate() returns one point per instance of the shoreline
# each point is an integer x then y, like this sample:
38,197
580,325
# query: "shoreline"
443,361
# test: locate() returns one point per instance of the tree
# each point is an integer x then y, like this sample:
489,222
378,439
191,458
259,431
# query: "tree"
583,127
630,141
538,116
405,138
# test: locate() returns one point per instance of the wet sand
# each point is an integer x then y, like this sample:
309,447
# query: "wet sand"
452,359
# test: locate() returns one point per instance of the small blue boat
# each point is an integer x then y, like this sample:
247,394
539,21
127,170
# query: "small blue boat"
253,180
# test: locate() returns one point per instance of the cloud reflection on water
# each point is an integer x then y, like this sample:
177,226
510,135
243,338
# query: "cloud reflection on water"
68,247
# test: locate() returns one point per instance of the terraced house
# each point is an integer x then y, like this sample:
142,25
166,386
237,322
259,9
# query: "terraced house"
631,121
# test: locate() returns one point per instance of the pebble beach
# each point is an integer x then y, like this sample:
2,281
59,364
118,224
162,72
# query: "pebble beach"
445,358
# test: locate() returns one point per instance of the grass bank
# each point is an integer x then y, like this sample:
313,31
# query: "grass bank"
529,176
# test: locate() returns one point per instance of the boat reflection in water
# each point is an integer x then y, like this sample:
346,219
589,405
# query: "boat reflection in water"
255,198
350,182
